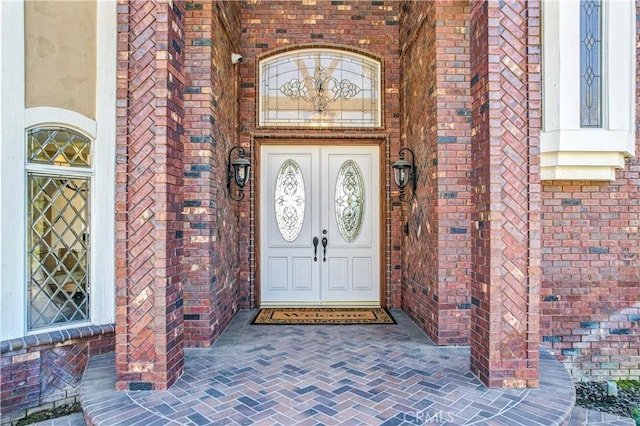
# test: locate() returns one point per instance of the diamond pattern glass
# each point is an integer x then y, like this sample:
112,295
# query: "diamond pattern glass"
320,88
349,200
58,227
59,147
289,200
590,63
58,252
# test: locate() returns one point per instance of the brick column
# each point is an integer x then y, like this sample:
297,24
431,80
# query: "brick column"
436,90
506,191
149,328
211,129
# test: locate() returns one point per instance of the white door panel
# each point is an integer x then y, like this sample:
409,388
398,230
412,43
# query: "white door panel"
302,269
296,281
351,280
338,273
362,273
278,271
309,192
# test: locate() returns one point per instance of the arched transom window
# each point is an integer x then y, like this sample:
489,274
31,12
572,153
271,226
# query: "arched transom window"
319,88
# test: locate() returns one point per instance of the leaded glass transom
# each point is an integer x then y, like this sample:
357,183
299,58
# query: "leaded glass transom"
289,200
319,88
349,200
60,147
590,63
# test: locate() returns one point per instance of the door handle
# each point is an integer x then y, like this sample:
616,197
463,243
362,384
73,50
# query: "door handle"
324,248
315,249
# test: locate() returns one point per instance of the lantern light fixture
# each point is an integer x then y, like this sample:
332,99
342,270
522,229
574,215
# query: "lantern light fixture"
238,172
405,172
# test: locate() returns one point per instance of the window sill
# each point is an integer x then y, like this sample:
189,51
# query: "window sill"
586,154
55,336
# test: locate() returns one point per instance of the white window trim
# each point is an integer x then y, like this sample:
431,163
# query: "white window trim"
104,297
12,158
15,120
567,150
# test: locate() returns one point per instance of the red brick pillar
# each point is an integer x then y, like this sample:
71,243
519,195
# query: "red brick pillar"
212,34
435,66
450,183
505,286
149,328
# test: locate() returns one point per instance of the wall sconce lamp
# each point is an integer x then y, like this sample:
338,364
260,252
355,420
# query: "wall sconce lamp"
238,171
405,172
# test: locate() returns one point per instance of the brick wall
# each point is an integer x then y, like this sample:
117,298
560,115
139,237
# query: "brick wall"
43,371
149,228
211,227
591,278
590,237
591,269
371,26
436,125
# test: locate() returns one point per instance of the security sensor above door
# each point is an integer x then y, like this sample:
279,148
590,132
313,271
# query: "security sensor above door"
236,58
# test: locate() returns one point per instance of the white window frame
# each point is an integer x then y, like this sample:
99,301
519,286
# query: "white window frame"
569,151
86,127
15,120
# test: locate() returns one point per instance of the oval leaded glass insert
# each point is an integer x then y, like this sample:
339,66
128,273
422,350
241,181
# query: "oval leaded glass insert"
349,200
289,200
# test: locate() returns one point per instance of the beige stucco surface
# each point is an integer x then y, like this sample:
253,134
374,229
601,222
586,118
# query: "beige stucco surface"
61,55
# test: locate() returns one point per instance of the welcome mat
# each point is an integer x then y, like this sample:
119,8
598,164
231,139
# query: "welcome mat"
295,316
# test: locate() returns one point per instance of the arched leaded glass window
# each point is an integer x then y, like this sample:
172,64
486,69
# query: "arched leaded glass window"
59,175
319,88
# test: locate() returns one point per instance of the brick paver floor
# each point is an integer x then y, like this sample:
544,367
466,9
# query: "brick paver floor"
328,375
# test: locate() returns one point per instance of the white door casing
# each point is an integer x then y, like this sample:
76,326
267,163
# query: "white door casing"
348,272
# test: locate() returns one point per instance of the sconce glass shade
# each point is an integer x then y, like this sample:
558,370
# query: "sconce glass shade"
241,171
401,171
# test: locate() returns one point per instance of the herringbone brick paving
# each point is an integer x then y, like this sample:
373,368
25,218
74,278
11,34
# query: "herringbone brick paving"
327,375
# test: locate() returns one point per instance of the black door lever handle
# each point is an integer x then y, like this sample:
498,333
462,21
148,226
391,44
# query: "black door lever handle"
324,248
315,249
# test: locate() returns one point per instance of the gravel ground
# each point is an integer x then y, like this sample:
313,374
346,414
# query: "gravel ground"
593,395
53,413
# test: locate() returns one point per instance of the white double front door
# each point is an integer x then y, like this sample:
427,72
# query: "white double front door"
320,225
